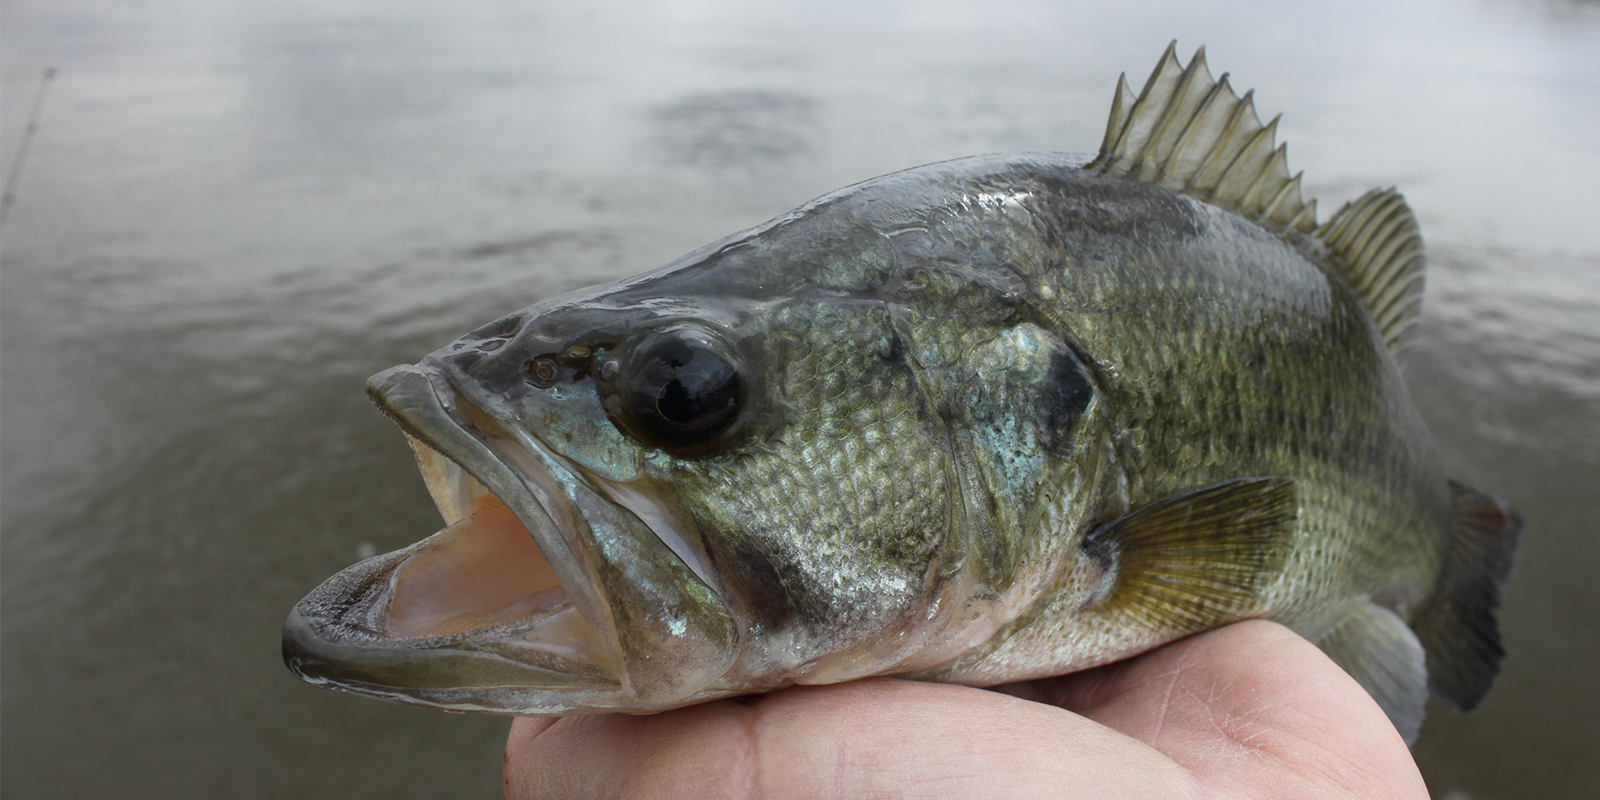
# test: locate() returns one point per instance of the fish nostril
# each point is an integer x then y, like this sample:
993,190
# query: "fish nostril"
543,371
491,345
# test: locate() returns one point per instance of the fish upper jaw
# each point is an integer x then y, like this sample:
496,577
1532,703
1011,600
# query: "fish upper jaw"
540,596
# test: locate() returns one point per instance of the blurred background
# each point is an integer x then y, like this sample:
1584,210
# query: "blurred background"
230,214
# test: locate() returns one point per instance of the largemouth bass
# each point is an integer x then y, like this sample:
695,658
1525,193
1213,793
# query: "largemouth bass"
980,421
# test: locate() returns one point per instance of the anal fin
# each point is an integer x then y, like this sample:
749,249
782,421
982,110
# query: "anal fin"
1195,559
1374,645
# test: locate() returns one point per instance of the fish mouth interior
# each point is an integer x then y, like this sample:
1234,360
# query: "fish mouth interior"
482,571
540,595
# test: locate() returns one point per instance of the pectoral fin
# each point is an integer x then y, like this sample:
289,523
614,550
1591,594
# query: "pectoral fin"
1384,656
1195,559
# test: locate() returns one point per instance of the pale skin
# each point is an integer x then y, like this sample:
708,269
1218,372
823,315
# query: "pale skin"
1246,711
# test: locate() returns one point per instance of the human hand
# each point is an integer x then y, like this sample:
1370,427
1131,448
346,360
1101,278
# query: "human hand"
1250,710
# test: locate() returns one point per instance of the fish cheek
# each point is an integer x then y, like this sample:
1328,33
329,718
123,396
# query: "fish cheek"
569,419
1027,422
825,522
758,577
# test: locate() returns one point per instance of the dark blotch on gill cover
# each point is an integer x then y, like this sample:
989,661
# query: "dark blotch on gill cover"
1068,395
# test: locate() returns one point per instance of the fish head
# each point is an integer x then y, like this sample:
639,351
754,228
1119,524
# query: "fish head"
652,499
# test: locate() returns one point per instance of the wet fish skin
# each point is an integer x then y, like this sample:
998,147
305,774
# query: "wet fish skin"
881,406
980,421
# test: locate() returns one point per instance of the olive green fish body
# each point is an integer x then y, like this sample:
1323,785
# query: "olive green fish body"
979,421
1216,350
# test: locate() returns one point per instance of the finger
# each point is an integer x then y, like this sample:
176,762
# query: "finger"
873,738
1234,702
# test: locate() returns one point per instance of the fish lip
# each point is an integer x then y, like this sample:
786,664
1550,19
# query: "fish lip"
339,636
429,409
335,636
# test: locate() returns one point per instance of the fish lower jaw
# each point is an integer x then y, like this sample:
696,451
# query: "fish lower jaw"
451,621
541,595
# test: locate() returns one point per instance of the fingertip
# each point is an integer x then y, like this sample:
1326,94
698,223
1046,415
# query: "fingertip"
525,729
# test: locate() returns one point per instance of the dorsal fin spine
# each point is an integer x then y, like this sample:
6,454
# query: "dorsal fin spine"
1240,175
1271,178
1276,207
1121,110
1157,92
1306,220
1177,117
1192,134
1177,170
1233,142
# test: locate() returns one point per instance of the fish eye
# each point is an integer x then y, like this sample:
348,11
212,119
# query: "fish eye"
678,390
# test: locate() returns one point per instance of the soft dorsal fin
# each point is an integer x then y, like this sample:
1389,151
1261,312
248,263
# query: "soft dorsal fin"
1193,135
1376,240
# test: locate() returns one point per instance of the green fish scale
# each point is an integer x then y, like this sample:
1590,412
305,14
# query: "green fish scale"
1246,359
849,525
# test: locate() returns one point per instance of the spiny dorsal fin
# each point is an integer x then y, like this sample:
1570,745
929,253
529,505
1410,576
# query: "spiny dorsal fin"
1193,135
1198,558
1377,242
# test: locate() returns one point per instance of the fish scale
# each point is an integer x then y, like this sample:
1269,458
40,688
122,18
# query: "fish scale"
980,421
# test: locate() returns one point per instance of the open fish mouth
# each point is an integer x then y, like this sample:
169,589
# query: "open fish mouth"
539,596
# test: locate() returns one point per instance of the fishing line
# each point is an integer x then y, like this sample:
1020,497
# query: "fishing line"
10,195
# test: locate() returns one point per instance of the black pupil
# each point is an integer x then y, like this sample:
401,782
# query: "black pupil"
685,393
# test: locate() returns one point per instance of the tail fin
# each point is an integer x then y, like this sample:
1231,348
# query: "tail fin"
1457,624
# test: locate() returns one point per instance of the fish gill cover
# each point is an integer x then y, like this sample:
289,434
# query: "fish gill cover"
980,421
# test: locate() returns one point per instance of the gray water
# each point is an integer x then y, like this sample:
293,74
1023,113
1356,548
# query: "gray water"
232,213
